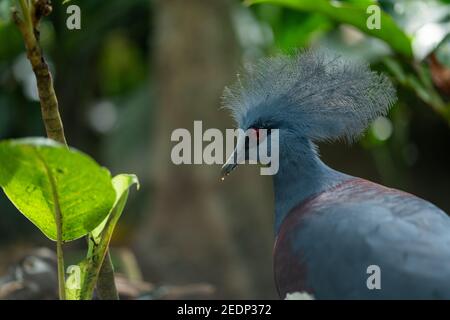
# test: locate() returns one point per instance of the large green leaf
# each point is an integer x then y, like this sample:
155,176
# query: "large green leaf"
353,13
42,177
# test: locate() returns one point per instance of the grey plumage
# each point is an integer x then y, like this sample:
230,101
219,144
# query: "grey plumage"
330,227
339,98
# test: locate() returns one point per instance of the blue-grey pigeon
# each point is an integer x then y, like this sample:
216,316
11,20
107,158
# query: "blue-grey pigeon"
337,236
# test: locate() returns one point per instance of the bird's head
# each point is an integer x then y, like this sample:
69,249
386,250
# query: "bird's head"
308,97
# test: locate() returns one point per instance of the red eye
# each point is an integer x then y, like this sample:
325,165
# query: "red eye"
257,132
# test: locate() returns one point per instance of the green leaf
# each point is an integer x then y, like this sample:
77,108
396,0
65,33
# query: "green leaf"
121,184
42,177
83,278
352,13
100,238
5,11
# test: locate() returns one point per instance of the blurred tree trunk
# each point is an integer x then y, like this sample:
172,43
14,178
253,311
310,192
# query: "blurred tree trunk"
192,232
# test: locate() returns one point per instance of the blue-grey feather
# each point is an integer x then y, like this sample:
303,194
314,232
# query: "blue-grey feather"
315,96
408,238
329,96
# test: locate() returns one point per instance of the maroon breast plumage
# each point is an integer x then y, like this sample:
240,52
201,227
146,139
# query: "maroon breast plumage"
290,267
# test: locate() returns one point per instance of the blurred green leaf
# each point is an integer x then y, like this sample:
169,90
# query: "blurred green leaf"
420,83
353,13
293,29
5,11
443,52
42,177
5,114
121,65
359,3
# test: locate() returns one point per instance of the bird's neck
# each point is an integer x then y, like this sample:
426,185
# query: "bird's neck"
301,175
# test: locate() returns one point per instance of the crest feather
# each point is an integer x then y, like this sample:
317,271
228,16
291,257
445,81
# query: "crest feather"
327,95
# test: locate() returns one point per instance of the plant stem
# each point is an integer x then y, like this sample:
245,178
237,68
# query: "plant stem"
25,9
29,28
49,107
100,274
106,291
99,260
61,271
59,235
32,13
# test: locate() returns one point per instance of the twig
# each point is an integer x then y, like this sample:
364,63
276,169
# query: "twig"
32,11
59,235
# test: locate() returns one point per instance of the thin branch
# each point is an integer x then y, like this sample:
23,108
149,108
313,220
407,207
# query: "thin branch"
32,13
28,23
59,234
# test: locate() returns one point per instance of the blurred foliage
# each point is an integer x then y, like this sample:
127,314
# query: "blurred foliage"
122,66
405,26
353,13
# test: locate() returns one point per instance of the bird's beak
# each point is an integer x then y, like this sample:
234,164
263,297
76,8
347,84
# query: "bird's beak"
227,168
229,165
238,156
